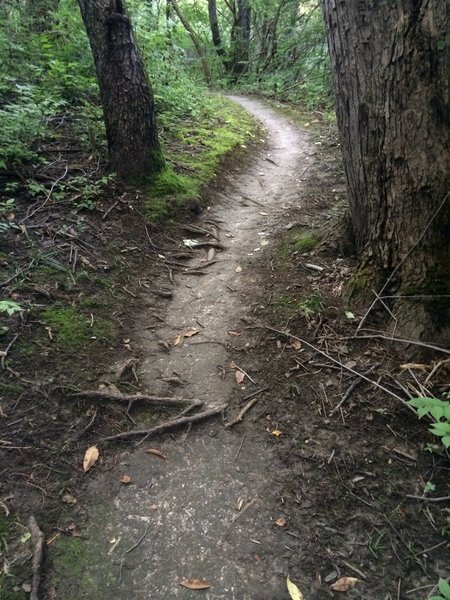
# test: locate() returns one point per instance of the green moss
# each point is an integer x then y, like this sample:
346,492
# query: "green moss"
199,150
69,555
305,242
74,330
287,304
310,305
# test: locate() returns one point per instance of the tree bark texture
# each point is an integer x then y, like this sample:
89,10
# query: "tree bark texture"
215,30
240,37
125,91
391,66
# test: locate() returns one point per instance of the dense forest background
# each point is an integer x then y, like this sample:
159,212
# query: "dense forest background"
48,82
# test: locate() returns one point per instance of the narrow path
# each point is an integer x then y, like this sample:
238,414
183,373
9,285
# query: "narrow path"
209,510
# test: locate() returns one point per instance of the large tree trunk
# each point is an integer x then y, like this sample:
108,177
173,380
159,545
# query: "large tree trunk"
125,91
240,37
215,30
391,66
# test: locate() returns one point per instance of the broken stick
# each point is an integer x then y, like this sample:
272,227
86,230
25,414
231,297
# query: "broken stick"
38,553
240,416
168,425
112,393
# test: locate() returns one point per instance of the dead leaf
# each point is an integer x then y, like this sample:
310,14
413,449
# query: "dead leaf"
156,452
69,499
240,376
276,432
344,584
195,584
125,479
296,344
236,333
177,340
90,458
293,590
281,522
238,269
190,332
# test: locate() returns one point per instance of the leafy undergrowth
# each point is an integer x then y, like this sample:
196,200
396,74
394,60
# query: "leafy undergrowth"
75,252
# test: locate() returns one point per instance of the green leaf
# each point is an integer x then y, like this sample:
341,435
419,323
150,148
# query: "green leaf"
349,315
293,590
444,588
429,487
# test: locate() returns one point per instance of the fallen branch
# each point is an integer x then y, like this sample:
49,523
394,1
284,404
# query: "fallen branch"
169,425
342,365
353,386
38,540
240,416
390,338
112,393
4,353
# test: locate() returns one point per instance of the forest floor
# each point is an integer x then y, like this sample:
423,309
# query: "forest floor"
288,463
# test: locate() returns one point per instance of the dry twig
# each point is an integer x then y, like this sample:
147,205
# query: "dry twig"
240,416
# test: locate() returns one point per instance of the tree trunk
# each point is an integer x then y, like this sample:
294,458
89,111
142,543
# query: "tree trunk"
391,66
240,38
214,25
125,91
195,39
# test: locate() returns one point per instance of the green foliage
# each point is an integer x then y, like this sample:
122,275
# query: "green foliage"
444,589
10,307
73,330
439,410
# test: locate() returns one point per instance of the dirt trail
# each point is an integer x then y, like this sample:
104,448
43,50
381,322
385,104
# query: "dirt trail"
209,510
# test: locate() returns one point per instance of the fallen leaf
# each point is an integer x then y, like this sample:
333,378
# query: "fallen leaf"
68,499
293,590
349,314
177,340
281,522
126,340
238,269
236,333
195,584
125,479
296,344
344,584
156,452
190,332
276,432
240,376
90,458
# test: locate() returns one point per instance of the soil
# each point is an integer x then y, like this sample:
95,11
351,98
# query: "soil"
315,481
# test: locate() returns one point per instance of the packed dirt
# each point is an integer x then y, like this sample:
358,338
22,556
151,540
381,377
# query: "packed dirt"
302,469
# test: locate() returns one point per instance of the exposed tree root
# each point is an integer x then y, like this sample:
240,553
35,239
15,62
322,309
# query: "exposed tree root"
38,540
169,425
112,393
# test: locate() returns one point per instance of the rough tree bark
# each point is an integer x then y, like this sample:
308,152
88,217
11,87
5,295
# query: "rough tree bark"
125,91
215,30
240,37
391,66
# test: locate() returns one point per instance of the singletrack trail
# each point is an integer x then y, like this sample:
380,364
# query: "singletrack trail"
208,511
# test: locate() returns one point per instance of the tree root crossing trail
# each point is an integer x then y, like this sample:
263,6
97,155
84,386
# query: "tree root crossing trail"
208,512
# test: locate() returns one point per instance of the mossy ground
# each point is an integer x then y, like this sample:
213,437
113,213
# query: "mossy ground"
296,242
73,330
194,158
9,584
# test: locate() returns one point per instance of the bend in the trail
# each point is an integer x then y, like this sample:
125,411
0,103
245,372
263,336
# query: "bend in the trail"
208,511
